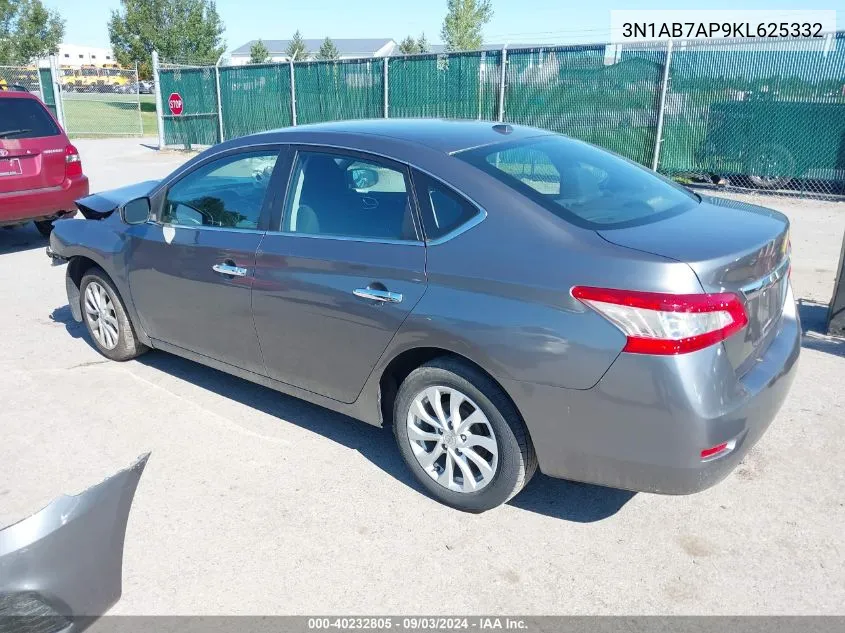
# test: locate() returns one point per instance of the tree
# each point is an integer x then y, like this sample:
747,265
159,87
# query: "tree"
259,53
296,49
463,23
180,30
328,50
410,46
28,31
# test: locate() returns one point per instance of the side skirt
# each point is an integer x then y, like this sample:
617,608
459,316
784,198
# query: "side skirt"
357,410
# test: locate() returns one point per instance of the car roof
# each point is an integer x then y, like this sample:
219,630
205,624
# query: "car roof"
448,136
17,94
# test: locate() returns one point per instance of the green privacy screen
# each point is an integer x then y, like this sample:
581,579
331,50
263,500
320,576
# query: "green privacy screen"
760,113
48,95
763,111
455,86
255,98
197,124
599,94
333,91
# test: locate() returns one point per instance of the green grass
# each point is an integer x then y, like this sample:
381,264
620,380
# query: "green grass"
93,115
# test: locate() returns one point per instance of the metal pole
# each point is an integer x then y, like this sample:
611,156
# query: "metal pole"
386,66
292,94
502,83
664,89
482,67
41,84
57,92
219,101
159,104
138,100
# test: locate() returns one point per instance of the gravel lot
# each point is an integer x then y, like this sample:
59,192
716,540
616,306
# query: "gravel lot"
254,502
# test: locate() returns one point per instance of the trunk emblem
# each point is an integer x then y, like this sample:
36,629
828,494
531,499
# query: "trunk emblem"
4,152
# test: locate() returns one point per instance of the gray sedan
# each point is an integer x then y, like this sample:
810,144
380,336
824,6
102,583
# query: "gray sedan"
504,297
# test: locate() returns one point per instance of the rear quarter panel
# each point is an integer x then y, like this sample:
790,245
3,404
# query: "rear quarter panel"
499,293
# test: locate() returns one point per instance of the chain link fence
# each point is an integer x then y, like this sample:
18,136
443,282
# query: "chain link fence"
100,101
190,109
759,115
454,86
756,115
38,81
94,101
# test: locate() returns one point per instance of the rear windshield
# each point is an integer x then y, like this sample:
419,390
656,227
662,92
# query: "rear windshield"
581,183
25,118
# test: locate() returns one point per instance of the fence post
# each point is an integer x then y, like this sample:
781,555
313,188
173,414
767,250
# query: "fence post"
292,94
386,84
482,70
664,88
138,99
219,102
159,105
502,83
41,85
57,91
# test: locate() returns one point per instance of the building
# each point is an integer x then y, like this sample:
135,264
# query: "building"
73,55
346,48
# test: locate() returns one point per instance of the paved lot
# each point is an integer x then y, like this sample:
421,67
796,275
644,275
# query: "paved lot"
254,502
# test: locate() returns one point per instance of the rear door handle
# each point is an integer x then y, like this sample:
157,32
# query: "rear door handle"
378,295
229,269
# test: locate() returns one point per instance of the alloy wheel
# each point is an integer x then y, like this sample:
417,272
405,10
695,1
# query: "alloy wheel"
102,319
452,439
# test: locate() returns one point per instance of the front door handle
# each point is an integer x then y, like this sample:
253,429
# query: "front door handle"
378,295
230,269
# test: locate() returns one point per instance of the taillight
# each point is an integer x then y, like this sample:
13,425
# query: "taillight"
73,164
658,323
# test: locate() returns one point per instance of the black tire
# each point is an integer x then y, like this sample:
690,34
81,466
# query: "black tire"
128,346
771,158
517,461
45,227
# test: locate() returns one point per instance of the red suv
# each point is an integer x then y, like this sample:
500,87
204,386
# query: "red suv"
40,171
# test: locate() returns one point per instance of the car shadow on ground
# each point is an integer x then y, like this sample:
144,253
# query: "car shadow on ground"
569,501
21,238
813,325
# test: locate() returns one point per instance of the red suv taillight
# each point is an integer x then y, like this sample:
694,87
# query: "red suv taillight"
73,164
658,323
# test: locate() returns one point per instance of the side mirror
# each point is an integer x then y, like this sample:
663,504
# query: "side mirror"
136,211
363,178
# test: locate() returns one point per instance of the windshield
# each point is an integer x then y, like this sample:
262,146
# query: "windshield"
581,183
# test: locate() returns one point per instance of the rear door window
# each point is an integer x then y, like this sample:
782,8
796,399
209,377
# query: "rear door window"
25,118
340,195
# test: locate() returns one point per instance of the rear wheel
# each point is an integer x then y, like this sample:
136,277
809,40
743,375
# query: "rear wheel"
45,227
771,167
105,317
461,436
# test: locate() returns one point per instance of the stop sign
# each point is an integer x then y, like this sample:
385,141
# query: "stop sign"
175,102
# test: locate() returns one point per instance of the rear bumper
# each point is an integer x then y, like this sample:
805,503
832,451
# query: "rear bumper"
37,204
644,425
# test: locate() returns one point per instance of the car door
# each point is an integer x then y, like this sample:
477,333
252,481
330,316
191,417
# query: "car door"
191,270
342,270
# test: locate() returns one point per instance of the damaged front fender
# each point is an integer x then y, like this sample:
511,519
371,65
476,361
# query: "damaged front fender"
61,568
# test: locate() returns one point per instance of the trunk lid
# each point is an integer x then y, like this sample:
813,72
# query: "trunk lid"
732,247
32,146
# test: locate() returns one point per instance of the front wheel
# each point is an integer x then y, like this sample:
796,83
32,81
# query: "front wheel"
461,436
105,317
